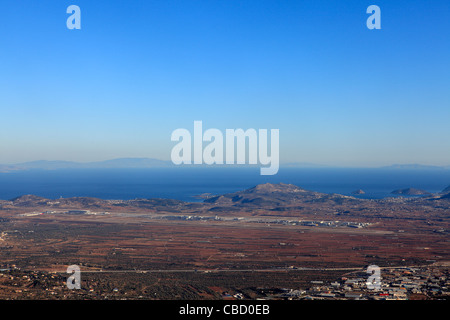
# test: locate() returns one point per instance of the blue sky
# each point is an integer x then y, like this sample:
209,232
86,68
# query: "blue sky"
340,94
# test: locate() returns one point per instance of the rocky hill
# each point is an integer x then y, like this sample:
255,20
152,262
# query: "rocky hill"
411,192
262,198
271,195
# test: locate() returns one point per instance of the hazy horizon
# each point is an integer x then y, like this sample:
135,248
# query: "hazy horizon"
168,162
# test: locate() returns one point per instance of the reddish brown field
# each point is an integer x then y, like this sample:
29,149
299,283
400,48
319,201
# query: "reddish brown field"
118,242
155,254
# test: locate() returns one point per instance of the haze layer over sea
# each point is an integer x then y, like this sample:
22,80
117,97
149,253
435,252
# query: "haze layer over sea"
185,183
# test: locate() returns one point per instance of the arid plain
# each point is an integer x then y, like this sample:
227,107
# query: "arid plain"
272,236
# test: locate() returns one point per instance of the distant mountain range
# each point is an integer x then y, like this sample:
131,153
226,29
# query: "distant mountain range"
114,163
156,163
416,167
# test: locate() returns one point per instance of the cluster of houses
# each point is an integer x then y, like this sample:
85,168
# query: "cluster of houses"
313,223
71,212
307,223
396,284
193,218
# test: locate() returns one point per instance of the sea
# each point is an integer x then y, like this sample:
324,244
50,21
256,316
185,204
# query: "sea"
186,183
